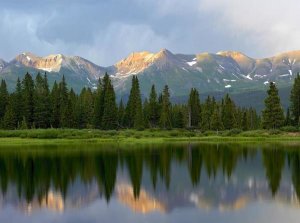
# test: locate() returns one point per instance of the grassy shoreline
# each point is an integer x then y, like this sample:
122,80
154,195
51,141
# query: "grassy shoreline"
74,136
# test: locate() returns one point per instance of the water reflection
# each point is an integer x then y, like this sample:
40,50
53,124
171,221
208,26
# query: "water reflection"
150,179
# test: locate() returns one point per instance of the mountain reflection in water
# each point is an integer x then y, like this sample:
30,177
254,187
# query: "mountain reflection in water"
224,177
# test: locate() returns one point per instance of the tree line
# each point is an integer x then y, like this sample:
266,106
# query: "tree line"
34,105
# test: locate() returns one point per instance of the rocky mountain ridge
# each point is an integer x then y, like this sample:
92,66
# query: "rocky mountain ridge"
225,71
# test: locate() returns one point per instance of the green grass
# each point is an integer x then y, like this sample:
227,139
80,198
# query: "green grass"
69,136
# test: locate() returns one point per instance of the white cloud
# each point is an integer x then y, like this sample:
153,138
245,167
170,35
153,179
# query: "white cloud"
273,25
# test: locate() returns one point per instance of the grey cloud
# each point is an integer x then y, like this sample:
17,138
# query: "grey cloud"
108,30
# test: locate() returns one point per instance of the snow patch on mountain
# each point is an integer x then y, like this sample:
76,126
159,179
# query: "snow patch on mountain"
192,63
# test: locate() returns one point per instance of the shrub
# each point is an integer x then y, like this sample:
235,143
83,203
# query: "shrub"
234,132
274,132
289,129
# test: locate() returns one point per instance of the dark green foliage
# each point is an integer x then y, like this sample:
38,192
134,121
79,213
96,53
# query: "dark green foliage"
55,106
99,103
3,99
216,120
9,119
179,116
273,116
28,99
134,111
32,105
288,120
17,103
295,100
153,110
42,108
64,103
110,111
207,111
84,109
165,115
121,114
228,113
194,109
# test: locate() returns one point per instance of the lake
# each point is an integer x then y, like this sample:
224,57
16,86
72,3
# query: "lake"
179,182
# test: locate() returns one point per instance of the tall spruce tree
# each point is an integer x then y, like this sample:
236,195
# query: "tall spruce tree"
216,119
28,99
17,103
138,115
295,100
153,109
42,108
99,102
207,111
134,110
165,115
9,119
194,108
63,103
121,113
110,112
288,120
69,111
228,113
55,106
3,99
272,115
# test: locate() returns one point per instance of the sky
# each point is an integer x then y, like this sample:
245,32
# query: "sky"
105,31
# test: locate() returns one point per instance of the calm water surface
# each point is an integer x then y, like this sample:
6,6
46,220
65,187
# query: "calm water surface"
166,183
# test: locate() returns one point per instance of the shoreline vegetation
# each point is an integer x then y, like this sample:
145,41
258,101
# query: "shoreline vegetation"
151,136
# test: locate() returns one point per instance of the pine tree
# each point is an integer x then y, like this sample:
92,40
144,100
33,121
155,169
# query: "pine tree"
55,106
216,120
42,109
63,103
146,113
207,111
288,120
99,103
194,108
273,116
153,108
295,100
84,109
17,103
9,120
245,122
28,99
228,113
134,111
69,111
165,116
110,112
178,116
3,99
121,113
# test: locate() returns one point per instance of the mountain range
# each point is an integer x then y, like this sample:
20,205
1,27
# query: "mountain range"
222,72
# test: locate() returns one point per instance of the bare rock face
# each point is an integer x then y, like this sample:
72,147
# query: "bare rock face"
51,63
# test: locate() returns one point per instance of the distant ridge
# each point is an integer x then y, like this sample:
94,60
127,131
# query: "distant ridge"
225,71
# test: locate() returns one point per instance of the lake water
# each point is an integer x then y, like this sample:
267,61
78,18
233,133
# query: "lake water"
151,183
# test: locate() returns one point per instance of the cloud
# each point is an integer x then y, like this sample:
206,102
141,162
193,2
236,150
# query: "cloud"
269,26
106,31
